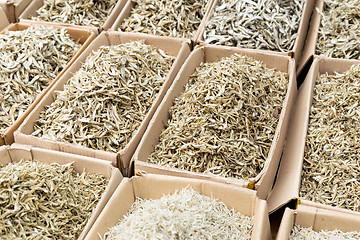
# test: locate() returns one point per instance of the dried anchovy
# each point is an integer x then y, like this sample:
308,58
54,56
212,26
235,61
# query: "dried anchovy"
29,61
173,18
78,12
225,120
184,215
104,103
331,162
300,233
46,201
339,31
257,24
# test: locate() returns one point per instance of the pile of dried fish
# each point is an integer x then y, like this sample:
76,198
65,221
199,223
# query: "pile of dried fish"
42,201
339,31
173,18
104,103
184,215
225,120
29,61
331,162
265,24
300,233
78,12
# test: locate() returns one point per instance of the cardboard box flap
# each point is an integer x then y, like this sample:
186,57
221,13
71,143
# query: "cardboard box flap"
286,225
4,22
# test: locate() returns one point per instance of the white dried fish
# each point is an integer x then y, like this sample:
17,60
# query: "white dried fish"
300,233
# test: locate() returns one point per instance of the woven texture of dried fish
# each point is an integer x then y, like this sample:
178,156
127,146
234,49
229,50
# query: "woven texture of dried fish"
41,201
78,12
104,103
331,162
256,24
29,61
339,33
225,120
184,215
300,233
173,18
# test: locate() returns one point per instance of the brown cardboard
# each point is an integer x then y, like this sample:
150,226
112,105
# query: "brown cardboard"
318,219
175,47
18,152
287,185
129,5
150,186
263,182
299,42
14,9
4,22
36,4
83,36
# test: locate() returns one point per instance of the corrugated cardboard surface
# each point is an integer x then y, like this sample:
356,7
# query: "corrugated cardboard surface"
264,180
83,36
300,40
126,12
4,22
318,219
36,4
18,152
151,186
287,185
175,47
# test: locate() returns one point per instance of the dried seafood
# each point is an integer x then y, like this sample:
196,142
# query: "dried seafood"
300,233
225,120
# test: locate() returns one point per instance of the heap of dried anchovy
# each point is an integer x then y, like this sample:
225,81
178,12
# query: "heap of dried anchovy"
184,215
42,201
332,153
103,104
339,31
78,12
173,18
225,120
300,233
265,24
29,61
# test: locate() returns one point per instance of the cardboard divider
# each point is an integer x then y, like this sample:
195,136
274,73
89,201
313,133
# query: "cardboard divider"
318,219
36,4
296,51
287,185
4,22
263,182
150,186
175,47
81,35
19,152
14,9
129,5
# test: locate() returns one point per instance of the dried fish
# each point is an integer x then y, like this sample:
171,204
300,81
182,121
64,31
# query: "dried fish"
339,31
78,12
331,162
225,120
184,215
46,201
256,24
104,103
29,61
173,18
300,233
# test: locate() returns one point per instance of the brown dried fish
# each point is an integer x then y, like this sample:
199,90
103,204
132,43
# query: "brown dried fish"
42,201
225,119
104,103
29,61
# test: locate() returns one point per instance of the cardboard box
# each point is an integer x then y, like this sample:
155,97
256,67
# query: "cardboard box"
287,185
299,42
263,182
4,22
126,12
83,36
318,219
175,47
36,4
151,186
18,152
14,9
